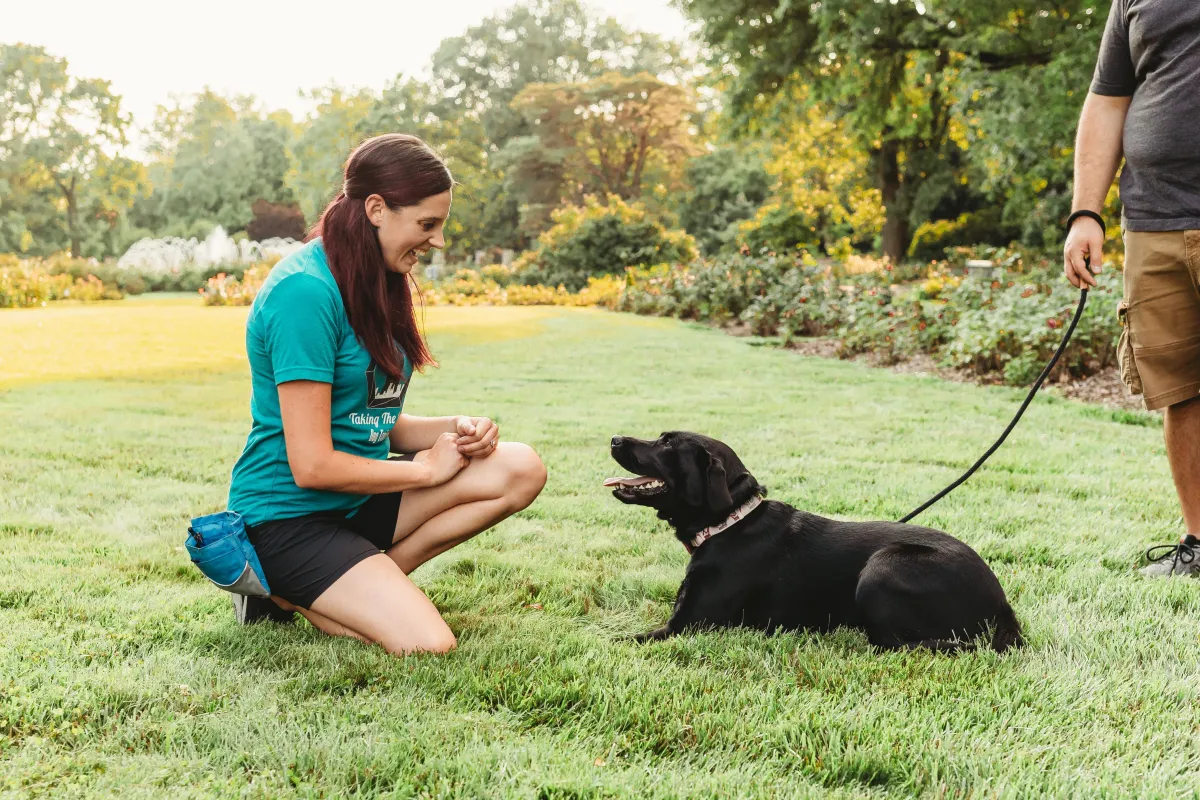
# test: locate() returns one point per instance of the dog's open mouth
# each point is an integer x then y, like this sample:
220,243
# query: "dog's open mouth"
644,486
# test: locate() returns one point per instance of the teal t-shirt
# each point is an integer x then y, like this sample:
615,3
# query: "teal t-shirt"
298,331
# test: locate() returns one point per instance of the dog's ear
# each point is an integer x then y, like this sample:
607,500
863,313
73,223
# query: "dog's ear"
695,477
718,485
706,484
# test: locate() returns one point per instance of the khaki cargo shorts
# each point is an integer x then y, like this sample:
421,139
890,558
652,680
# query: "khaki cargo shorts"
1159,351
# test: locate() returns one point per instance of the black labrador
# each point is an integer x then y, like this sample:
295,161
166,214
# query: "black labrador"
766,565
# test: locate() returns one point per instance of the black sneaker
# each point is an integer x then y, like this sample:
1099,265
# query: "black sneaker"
249,610
1173,559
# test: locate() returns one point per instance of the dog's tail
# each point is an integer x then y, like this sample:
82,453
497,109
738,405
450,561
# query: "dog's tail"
1008,631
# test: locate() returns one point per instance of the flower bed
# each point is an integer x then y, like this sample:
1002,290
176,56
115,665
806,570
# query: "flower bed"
27,283
489,286
1009,326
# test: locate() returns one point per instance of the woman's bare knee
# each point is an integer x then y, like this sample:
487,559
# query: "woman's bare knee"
526,475
430,641
376,599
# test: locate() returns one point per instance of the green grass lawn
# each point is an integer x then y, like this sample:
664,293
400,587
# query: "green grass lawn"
122,671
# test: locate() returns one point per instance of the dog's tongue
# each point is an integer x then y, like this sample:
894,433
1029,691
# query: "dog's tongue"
628,481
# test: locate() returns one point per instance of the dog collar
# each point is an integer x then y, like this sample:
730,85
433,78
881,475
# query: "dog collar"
737,516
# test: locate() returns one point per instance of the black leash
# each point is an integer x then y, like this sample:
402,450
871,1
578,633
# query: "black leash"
1036,385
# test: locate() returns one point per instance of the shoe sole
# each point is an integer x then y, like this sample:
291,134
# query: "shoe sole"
1146,571
273,613
239,608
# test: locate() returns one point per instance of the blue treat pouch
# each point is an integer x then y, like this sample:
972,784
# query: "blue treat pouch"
219,546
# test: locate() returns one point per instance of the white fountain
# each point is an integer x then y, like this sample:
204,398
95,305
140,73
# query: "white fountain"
171,253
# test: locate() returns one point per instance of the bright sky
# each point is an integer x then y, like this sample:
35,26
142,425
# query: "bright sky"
150,49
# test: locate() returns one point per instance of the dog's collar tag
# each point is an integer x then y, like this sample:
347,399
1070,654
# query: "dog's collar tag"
737,516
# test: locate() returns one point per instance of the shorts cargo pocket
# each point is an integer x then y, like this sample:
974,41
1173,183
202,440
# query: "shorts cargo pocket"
1129,371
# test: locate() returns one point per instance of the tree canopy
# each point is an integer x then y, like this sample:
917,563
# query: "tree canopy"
890,126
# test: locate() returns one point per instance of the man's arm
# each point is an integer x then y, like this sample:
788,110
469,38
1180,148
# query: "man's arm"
1097,156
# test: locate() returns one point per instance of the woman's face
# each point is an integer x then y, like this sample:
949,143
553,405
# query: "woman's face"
407,233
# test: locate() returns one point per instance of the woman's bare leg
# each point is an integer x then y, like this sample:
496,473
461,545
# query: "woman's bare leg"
375,601
319,622
488,490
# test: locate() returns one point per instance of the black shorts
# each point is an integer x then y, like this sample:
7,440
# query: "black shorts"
303,556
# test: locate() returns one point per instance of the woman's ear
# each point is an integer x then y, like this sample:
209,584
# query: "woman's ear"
375,206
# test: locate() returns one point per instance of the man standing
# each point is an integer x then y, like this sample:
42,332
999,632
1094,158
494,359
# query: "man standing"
1145,103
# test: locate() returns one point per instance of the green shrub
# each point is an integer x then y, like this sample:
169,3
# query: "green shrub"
1008,327
31,283
499,273
466,287
188,278
727,186
1012,326
134,280
22,288
600,239
931,239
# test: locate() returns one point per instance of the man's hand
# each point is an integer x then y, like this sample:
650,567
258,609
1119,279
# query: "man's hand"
1085,245
1097,155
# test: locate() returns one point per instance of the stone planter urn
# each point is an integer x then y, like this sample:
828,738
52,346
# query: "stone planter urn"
982,269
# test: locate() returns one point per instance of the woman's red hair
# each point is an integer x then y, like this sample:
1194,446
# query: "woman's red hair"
403,170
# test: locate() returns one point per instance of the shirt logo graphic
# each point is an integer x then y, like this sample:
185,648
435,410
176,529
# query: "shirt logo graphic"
391,395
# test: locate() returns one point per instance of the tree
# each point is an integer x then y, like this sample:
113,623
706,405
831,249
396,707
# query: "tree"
59,142
214,158
477,75
887,68
613,135
823,195
325,140
1018,124
725,187
275,220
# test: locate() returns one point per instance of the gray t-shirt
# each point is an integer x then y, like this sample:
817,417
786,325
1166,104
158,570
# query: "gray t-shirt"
1151,51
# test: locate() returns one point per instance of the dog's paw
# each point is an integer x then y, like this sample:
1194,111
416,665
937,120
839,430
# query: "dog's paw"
655,635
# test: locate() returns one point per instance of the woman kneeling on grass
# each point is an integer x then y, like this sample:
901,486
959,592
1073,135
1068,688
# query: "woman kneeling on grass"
332,342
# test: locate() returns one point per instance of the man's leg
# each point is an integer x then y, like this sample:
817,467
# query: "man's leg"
1161,360
1181,425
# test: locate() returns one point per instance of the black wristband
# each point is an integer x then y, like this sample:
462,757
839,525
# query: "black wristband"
1085,213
